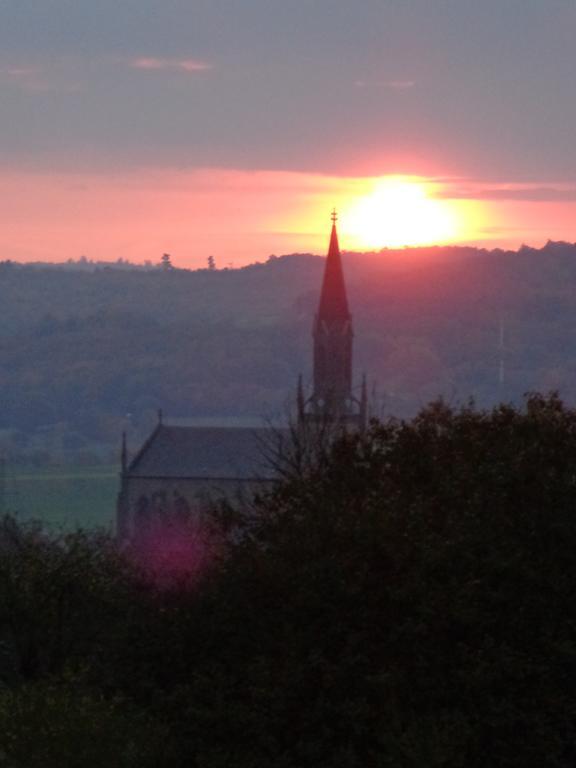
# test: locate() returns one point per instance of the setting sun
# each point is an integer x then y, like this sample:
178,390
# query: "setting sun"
399,212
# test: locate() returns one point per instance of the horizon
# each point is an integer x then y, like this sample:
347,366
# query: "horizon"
150,265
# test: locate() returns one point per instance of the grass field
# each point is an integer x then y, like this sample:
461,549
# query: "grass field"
68,497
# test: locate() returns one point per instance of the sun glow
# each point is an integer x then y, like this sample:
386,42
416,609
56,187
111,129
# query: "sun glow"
400,211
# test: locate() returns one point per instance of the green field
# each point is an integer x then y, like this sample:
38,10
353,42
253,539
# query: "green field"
68,497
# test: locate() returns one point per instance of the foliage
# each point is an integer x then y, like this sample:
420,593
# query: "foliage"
407,601
60,595
48,726
408,598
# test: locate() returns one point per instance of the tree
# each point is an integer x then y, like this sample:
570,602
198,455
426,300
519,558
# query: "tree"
406,597
166,262
211,263
48,725
410,601
60,596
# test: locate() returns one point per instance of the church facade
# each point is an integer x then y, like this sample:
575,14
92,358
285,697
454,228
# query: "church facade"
181,470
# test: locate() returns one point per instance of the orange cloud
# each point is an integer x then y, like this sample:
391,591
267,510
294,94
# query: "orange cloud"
536,193
176,65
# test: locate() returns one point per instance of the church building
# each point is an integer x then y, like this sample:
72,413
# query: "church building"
180,470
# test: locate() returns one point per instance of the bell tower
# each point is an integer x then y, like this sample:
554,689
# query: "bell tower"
332,399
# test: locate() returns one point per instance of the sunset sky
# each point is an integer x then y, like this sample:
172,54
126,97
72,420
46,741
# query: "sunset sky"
231,128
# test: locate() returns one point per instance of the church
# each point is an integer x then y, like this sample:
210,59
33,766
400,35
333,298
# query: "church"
180,470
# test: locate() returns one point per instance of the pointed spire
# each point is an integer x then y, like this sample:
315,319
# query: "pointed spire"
333,300
124,454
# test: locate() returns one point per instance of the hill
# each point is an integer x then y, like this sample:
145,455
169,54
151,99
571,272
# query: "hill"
85,353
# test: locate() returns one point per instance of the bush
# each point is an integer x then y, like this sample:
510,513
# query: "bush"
48,726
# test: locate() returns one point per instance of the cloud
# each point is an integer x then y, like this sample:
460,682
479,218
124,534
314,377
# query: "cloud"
153,64
397,85
18,72
522,192
394,85
38,80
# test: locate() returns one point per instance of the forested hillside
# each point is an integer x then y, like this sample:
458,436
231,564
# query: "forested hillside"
84,354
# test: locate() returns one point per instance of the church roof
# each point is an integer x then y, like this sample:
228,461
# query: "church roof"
333,300
223,453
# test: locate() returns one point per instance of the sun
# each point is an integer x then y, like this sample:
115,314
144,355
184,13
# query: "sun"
398,212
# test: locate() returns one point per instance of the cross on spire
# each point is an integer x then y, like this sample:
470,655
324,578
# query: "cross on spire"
334,216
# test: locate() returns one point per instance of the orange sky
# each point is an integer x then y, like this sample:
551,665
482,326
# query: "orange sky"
115,115
240,217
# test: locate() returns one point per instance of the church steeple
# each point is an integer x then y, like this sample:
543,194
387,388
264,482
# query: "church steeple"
332,399
333,305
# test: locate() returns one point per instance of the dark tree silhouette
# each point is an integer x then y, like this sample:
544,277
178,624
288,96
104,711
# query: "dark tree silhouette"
166,261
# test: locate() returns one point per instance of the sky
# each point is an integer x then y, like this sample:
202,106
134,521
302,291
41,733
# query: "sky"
130,128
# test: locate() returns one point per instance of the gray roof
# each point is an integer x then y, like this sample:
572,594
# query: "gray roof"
204,452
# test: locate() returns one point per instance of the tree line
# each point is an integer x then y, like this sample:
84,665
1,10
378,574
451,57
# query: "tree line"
404,597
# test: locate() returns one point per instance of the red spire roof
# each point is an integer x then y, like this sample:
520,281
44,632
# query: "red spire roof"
333,300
